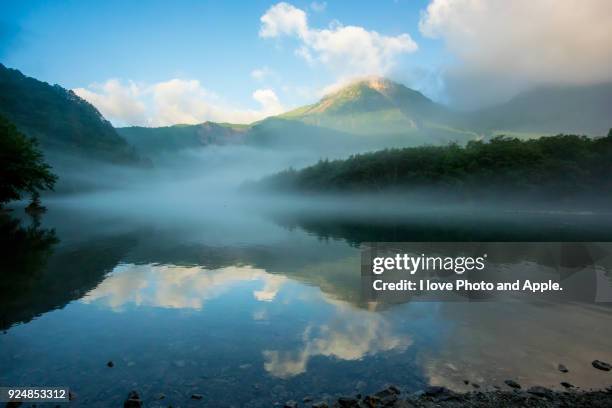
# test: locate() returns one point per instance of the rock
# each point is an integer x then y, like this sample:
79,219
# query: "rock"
71,396
394,389
512,384
110,364
475,385
346,402
387,396
290,404
320,404
434,391
404,404
371,401
466,382
567,385
133,400
600,365
540,391
160,396
563,368
307,399
197,396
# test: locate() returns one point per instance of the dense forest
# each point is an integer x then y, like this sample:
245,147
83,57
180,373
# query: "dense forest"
59,120
553,167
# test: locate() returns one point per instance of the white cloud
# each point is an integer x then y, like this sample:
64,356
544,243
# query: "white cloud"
520,43
283,18
318,6
171,102
262,73
270,105
116,100
346,50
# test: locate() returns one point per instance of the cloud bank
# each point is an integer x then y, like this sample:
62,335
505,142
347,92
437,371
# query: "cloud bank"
502,47
346,50
171,102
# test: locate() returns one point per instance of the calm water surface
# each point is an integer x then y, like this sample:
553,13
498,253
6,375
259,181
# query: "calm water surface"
249,309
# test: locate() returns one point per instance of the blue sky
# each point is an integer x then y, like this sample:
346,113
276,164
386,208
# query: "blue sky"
79,43
224,54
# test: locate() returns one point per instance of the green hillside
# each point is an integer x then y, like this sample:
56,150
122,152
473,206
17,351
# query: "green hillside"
551,167
178,137
60,120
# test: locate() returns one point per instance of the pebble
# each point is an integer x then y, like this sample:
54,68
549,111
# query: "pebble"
133,400
600,365
540,391
563,368
512,384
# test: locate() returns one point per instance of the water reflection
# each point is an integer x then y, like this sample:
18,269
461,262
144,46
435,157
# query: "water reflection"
349,335
24,252
262,313
178,287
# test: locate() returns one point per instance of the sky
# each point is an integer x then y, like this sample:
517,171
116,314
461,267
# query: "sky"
156,63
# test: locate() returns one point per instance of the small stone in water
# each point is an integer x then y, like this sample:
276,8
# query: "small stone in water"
110,364
133,400
600,365
567,385
291,404
512,384
563,368
197,396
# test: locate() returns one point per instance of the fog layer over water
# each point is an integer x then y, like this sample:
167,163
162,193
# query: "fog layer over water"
190,286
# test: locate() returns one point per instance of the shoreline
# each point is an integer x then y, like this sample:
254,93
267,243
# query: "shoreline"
434,396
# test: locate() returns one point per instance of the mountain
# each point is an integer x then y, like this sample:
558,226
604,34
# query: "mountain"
370,107
157,140
552,110
62,122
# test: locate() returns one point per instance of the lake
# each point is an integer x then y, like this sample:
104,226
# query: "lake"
248,308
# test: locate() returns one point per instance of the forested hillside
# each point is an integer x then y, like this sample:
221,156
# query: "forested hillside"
558,166
59,120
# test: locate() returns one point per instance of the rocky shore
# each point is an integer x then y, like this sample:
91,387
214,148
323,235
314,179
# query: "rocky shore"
536,397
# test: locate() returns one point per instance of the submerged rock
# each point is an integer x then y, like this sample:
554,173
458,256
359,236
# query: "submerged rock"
346,402
290,404
540,391
197,396
600,365
512,384
133,400
110,364
320,405
566,384
563,368
434,391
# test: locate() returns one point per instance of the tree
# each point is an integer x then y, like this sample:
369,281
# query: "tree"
22,166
